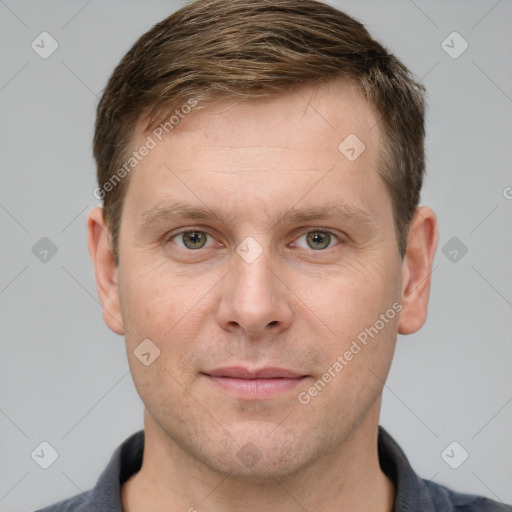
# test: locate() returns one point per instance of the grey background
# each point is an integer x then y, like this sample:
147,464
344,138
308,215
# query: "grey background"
64,376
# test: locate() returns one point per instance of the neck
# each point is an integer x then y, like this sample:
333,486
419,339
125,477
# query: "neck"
349,477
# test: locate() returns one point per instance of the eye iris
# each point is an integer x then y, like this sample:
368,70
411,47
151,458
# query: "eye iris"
194,239
318,237
197,239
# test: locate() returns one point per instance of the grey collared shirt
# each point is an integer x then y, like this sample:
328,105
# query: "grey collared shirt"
413,494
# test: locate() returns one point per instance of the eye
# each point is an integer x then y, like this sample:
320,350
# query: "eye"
318,239
193,239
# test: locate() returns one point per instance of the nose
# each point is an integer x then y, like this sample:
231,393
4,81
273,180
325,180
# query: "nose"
255,298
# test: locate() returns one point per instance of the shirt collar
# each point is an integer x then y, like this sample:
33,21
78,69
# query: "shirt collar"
411,491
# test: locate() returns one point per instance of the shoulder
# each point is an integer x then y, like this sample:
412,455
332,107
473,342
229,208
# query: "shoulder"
415,493
445,499
79,503
90,501
106,495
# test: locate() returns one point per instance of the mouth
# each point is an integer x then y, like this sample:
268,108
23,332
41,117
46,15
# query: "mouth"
254,384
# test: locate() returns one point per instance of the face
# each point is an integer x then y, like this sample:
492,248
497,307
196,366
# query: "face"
255,307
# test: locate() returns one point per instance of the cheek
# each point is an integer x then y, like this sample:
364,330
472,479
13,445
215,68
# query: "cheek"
154,309
370,349
157,309
153,301
353,297
357,306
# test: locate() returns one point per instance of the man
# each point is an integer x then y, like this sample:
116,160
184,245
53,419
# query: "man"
260,246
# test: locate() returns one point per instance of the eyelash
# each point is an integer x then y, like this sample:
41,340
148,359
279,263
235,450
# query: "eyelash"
314,230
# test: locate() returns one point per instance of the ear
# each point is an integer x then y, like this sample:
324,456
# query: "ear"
105,269
417,269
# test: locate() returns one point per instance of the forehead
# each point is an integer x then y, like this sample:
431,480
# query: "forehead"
310,146
306,118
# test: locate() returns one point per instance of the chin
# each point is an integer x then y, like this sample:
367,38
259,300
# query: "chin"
256,459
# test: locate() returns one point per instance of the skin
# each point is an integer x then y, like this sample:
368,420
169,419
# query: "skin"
294,307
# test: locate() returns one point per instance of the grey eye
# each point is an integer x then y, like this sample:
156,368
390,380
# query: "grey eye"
318,239
193,239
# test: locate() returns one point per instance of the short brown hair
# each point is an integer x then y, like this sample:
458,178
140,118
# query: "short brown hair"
212,49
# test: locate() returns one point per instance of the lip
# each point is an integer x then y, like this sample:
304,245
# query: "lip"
254,384
239,372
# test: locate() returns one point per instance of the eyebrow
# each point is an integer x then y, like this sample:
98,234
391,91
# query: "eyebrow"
183,211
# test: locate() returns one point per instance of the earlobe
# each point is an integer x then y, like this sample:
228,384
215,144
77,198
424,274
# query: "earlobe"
105,269
417,270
